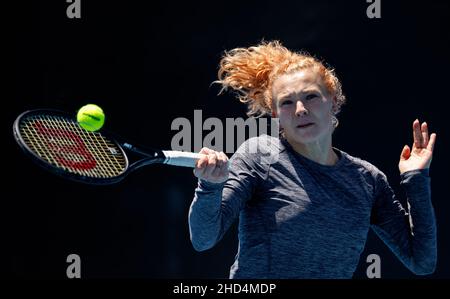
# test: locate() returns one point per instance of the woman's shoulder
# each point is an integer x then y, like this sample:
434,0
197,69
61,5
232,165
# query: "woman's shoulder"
259,151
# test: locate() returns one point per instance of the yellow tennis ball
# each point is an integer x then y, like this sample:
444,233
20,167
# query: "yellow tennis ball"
91,117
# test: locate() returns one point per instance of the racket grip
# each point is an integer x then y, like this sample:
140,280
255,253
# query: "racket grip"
179,158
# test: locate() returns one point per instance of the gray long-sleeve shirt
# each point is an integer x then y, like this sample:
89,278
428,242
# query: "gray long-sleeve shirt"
302,219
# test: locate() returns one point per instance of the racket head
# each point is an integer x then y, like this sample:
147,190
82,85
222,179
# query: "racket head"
55,141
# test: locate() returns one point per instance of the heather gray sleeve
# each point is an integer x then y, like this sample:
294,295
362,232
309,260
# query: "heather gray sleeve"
411,233
216,206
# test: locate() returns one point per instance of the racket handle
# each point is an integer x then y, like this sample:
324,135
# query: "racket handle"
179,158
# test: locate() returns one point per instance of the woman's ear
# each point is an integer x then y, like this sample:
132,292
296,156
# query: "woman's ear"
274,114
334,107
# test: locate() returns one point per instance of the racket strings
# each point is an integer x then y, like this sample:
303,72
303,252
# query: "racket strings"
63,143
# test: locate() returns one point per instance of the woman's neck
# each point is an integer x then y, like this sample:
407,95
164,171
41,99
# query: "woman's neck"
320,152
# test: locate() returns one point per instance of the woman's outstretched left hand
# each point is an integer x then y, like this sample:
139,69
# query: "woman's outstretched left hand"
422,151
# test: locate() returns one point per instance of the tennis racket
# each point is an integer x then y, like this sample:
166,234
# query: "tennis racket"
58,143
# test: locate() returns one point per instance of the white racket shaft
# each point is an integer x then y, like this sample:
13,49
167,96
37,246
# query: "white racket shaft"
183,159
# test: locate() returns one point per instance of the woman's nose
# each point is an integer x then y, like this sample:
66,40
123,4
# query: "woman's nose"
300,109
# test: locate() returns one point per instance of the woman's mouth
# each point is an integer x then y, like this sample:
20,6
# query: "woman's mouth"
305,125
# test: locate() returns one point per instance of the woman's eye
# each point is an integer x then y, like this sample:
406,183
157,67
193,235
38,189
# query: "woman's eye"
311,96
287,102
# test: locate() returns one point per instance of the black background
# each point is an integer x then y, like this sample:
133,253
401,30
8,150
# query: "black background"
147,63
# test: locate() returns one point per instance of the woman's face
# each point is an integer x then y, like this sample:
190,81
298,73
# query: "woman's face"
303,106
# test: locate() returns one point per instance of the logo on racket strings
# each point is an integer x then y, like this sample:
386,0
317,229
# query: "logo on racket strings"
68,148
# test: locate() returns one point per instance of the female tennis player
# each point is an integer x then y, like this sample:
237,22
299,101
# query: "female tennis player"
307,213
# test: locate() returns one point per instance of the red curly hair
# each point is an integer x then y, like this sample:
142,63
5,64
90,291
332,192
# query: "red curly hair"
252,71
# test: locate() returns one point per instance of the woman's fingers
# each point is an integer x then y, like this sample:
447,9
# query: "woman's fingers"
212,162
199,171
417,134
213,166
224,158
206,151
424,129
422,139
203,161
222,165
432,141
